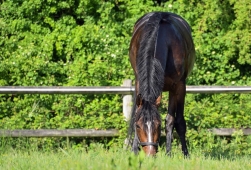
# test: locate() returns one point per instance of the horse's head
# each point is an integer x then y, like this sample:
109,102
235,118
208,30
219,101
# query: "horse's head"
147,126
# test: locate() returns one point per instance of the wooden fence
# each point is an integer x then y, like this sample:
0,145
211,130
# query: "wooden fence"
126,89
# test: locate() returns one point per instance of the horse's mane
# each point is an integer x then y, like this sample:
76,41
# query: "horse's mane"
150,72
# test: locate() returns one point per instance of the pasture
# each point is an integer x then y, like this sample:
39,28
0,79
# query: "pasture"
97,157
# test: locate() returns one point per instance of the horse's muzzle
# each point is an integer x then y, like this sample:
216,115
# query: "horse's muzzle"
150,150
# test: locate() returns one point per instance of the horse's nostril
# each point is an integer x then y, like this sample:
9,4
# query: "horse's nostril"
150,150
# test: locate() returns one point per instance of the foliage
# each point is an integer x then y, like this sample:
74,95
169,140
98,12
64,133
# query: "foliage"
85,43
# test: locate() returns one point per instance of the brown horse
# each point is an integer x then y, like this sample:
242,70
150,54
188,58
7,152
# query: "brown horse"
162,55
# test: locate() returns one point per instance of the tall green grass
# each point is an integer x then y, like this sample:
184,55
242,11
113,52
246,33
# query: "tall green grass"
97,157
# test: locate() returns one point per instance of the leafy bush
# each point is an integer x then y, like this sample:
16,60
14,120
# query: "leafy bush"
85,43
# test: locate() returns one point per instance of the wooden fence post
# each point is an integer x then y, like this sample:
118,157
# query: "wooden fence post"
127,101
127,106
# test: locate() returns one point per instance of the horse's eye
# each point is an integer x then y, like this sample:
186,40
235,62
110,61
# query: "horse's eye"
159,126
137,126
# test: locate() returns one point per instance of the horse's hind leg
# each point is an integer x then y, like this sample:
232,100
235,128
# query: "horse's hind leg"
169,121
180,123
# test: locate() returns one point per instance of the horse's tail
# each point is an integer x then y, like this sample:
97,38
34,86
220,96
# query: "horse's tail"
150,70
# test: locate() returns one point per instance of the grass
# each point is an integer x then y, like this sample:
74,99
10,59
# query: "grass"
115,158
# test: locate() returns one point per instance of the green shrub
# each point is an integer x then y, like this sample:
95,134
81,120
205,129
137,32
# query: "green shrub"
85,43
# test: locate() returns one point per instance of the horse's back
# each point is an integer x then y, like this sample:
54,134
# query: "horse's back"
174,46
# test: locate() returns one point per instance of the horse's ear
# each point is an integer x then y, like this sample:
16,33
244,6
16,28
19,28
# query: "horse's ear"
158,101
139,100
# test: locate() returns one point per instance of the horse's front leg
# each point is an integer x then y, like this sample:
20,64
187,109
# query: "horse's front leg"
169,121
135,144
169,131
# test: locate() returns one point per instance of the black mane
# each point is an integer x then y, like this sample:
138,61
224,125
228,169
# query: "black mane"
150,71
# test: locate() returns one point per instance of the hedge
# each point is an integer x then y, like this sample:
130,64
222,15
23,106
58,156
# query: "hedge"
85,43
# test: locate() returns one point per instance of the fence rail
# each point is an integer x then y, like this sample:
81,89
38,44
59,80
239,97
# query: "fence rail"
113,90
60,133
96,133
229,131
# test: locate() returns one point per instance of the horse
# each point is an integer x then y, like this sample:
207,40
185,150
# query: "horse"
162,55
